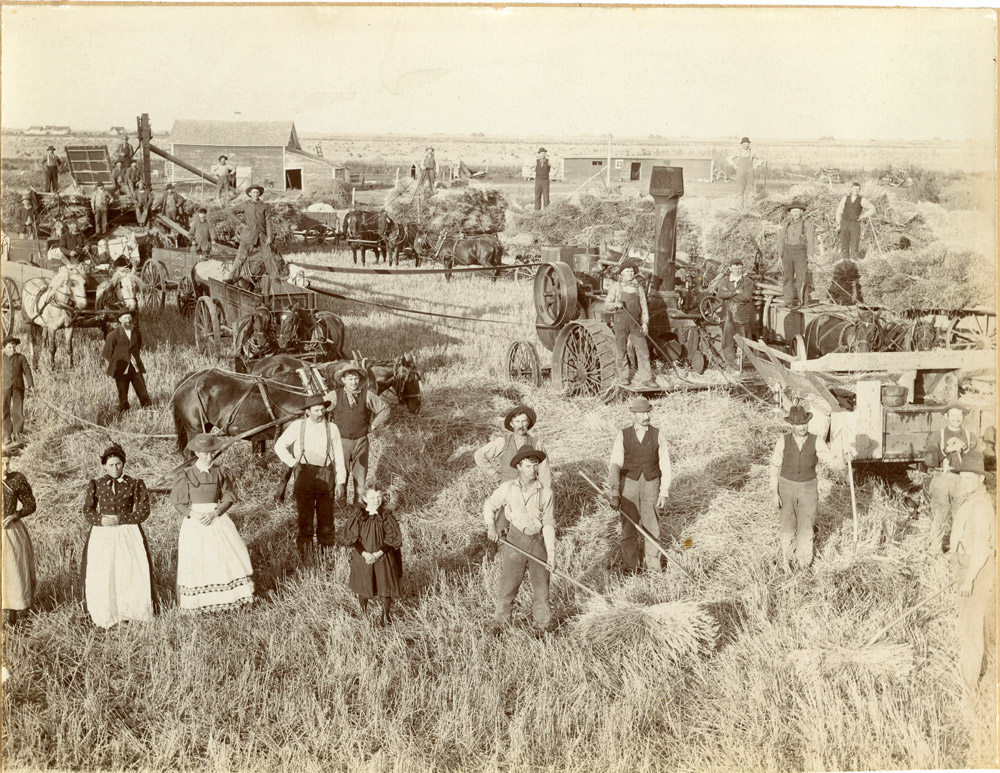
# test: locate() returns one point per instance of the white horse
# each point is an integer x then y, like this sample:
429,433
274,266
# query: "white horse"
53,306
121,290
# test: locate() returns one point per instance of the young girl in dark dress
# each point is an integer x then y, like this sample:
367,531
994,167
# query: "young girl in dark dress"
376,560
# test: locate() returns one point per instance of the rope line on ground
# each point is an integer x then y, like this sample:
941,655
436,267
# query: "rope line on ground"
75,418
402,271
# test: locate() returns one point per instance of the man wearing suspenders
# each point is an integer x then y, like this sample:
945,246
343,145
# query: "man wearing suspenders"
945,449
311,445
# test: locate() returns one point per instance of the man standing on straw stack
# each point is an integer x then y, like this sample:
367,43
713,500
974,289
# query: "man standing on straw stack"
794,487
745,161
639,484
973,555
542,180
527,508
51,164
853,208
944,451
796,245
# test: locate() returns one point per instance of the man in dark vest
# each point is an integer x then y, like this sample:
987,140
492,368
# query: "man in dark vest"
494,457
736,293
796,244
122,350
639,484
541,179
357,411
627,299
16,380
51,164
853,208
794,488
943,453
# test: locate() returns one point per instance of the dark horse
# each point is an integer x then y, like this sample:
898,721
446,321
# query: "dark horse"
828,333
312,332
402,237
232,404
400,375
367,230
484,250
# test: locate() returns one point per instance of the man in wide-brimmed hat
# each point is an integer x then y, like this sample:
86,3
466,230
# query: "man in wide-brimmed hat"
528,522
357,411
638,485
745,162
494,457
943,453
51,164
973,556
738,309
17,380
256,233
794,487
627,299
72,243
796,245
225,178
542,169
99,203
428,170
123,351
312,446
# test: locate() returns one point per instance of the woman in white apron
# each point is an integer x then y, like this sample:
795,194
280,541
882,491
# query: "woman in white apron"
18,556
117,572
213,565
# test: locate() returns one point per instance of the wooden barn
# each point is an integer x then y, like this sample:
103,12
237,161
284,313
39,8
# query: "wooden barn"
634,169
264,152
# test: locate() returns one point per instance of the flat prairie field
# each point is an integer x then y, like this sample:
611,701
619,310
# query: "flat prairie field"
748,670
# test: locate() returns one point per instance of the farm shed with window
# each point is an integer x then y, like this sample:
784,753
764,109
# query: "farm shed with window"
264,152
626,169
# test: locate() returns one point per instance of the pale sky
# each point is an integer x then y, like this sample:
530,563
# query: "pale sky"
776,73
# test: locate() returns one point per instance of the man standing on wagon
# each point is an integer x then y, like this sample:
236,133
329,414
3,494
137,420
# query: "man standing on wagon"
99,202
312,446
256,231
226,178
853,208
357,412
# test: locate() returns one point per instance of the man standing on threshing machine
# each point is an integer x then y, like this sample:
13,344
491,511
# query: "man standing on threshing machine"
72,244
123,351
117,178
99,202
256,233
627,299
639,484
794,489
428,170
173,203
944,452
541,180
526,508
357,412
26,221
16,381
51,164
124,151
132,177
226,178
796,245
311,446
853,208
202,234
494,457
973,556
736,293
143,201
745,161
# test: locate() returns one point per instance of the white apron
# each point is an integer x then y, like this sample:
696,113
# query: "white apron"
18,567
213,565
118,582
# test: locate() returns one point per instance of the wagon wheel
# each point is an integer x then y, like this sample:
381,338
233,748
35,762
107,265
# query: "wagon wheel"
185,295
555,294
311,236
583,359
207,335
710,309
523,272
225,330
154,285
9,303
973,331
523,364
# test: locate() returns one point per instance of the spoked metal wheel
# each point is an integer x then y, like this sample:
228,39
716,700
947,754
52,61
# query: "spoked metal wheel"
523,364
207,333
977,330
710,309
185,296
583,359
10,301
154,285
555,294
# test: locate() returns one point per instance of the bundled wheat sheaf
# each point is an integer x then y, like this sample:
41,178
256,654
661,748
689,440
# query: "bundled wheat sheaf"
888,660
461,210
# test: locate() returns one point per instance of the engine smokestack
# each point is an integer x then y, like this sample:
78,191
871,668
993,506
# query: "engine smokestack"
666,186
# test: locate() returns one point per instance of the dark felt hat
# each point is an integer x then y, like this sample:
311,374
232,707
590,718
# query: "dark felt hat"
798,415
223,156
745,139
797,204
542,150
527,453
640,405
170,186
113,450
125,312
122,262
11,340
971,462
205,443
313,400
517,411
630,263
51,147
258,187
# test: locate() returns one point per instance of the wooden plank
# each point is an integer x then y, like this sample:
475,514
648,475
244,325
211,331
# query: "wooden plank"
845,362
868,422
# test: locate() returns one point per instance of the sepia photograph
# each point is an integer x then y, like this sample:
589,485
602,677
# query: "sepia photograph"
670,446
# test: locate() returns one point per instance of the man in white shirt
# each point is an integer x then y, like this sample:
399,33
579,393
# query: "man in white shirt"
312,445
639,484
853,208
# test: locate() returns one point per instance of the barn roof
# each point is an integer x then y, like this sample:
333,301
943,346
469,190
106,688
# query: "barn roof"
314,157
229,134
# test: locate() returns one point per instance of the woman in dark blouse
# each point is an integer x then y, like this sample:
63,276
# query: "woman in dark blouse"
18,555
213,565
117,571
376,559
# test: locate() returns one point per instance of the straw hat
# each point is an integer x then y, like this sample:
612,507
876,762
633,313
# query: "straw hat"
350,367
527,453
957,407
518,411
205,443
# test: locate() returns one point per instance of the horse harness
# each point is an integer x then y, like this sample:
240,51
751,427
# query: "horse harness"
224,425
